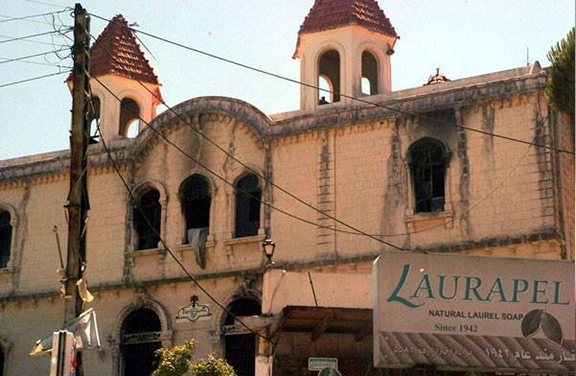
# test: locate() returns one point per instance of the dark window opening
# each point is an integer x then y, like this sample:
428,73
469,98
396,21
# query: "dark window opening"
2,362
329,77
240,345
147,220
93,118
129,118
141,332
196,201
369,74
5,238
248,198
428,165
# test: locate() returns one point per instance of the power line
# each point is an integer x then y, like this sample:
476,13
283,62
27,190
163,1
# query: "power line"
36,41
356,232
24,61
250,169
284,78
156,131
28,36
136,204
32,79
10,60
28,18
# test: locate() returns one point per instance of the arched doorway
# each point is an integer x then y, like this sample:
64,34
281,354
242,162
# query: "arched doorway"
239,343
140,338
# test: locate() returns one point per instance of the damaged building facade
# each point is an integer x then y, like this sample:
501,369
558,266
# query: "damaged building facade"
406,171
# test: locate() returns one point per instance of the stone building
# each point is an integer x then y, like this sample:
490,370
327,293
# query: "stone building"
406,171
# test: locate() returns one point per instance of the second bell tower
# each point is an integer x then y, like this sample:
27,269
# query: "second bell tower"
345,47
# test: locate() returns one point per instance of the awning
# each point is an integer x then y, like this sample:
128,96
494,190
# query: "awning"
320,320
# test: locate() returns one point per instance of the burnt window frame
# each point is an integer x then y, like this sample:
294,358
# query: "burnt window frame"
187,204
7,231
150,239
428,161
246,224
146,322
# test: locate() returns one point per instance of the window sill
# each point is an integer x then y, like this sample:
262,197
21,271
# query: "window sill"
144,253
423,221
7,270
188,247
244,240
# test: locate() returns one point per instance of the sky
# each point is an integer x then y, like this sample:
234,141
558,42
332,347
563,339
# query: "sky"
461,37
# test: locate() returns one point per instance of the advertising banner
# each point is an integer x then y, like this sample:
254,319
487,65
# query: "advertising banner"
472,312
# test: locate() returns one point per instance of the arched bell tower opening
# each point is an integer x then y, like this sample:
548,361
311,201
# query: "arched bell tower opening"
129,118
122,80
369,74
344,46
329,71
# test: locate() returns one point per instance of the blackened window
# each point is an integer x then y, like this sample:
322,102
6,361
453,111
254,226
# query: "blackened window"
147,220
5,238
248,196
196,201
141,335
428,159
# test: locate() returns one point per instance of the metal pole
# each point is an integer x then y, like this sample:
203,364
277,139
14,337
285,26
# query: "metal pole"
77,204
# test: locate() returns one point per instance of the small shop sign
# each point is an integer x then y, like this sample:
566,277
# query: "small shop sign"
194,312
318,364
472,312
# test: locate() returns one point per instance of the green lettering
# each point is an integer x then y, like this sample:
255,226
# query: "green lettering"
538,291
441,287
519,289
424,285
557,285
497,289
394,297
470,289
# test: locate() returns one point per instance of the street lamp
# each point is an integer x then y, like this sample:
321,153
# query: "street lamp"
268,247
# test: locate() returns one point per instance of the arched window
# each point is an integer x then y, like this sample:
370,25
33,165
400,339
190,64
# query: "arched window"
329,71
147,216
5,238
2,361
129,118
239,343
428,161
369,74
140,338
94,114
196,200
248,196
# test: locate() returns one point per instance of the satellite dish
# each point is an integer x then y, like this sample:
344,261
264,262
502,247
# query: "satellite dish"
329,372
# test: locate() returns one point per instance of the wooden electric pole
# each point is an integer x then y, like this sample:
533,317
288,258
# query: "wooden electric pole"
77,204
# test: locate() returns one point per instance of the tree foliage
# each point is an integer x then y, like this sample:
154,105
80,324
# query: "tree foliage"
174,361
177,361
560,86
211,366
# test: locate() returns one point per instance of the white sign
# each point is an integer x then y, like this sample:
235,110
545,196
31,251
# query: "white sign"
194,312
318,364
456,312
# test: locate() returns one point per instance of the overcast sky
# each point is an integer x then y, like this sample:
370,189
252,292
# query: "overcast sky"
462,37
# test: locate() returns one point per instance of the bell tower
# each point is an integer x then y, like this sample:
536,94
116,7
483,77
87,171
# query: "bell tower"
345,47
118,66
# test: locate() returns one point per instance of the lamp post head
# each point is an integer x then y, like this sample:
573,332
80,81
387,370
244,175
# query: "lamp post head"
268,247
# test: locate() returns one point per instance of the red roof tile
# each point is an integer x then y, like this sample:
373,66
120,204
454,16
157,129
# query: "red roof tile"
117,52
331,14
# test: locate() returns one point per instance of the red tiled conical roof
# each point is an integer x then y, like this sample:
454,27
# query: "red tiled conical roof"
117,52
331,14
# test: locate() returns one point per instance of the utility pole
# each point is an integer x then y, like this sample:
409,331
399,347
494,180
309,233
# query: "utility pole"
77,204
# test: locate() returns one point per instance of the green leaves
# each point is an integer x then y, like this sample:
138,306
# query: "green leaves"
560,85
537,319
177,361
